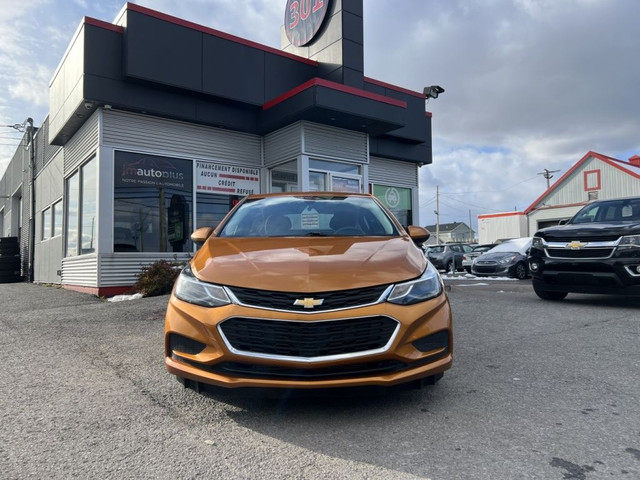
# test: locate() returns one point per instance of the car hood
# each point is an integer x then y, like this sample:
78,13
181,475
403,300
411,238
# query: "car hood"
589,230
495,257
307,264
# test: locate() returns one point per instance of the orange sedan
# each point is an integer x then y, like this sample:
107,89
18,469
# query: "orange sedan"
308,290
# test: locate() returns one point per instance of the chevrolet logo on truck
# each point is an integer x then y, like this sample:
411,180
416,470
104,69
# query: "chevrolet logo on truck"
576,245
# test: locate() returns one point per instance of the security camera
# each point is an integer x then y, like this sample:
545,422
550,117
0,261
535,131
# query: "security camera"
88,105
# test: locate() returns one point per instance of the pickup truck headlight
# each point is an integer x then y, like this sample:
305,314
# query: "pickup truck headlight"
189,289
537,242
428,286
630,241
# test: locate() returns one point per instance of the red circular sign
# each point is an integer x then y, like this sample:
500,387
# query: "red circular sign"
303,19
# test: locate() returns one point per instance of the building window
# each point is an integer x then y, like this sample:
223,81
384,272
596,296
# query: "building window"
153,203
73,214
396,199
284,178
325,175
81,210
57,218
46,223
212,208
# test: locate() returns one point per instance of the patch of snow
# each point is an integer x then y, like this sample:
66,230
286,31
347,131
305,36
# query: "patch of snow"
122,298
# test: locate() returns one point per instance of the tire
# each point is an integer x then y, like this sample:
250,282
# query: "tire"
520,271
468,269
9,263
8,250
10,279
549,295
8,240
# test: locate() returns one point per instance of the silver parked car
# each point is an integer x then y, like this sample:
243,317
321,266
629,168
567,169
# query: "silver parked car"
476,251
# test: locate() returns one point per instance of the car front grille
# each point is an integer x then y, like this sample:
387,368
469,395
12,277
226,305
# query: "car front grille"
260,337
486,268
330,300
582,253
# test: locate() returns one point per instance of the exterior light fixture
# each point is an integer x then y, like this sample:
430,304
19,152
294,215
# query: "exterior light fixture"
432,91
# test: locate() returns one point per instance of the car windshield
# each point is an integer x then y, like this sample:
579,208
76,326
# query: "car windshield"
308,215
613,211
439,249
518,245
482,248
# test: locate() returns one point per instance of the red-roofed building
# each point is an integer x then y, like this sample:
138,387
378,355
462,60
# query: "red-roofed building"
593,177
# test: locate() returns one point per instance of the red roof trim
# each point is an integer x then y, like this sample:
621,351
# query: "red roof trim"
217,33
608,160
428,114
101,24
497,215
413,93
319,82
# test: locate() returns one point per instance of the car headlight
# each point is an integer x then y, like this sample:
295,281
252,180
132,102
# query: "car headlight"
428,286
508,259
537,242
630,241
189,289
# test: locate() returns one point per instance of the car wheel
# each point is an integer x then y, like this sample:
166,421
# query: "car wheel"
521,272
548,295
468,269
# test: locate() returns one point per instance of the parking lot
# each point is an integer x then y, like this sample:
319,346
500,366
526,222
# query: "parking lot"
538,390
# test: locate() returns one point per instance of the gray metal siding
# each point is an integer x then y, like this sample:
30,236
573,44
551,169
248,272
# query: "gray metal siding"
131,131
283,145
82,144
393,172
48,260
614,183
335,143
80,270
123,269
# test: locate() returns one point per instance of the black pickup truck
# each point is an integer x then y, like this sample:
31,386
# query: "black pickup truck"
596,251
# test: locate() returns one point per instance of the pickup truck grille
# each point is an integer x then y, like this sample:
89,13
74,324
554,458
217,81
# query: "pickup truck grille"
583,253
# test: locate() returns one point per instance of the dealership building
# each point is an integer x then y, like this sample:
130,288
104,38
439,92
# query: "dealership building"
157,126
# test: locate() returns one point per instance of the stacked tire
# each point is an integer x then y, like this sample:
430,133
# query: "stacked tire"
9,260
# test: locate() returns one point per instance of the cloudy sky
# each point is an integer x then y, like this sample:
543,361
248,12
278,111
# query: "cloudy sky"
530,84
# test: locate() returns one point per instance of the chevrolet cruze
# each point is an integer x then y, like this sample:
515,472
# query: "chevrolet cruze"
308,290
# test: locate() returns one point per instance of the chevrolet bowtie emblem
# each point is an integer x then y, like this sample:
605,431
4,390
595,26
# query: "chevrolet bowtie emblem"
576,245
308,302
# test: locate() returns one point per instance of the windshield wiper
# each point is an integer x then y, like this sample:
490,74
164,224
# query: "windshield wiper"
315,234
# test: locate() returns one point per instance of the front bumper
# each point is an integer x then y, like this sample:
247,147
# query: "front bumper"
493,270
421,346
618,274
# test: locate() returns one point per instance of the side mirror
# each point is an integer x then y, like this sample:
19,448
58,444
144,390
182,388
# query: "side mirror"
200,235
418,234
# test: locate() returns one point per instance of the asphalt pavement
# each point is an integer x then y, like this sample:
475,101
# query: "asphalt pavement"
538,390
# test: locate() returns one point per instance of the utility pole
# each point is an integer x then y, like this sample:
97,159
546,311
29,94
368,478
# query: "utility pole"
473,237
437,212
548,175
